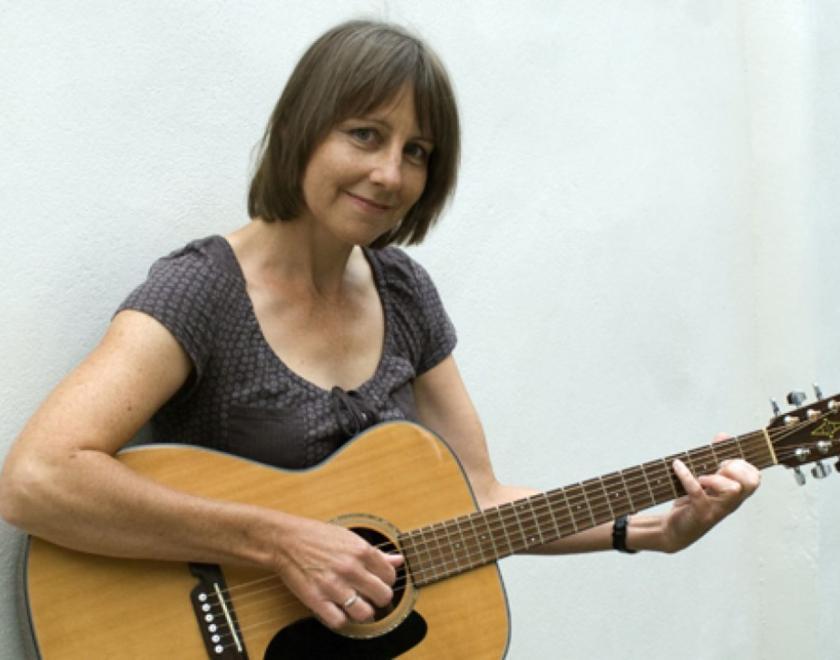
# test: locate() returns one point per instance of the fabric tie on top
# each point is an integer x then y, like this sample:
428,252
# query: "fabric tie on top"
352,411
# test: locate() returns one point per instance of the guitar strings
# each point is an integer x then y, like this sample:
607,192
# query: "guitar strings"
601,510
283,605
505,518
254,597
598,511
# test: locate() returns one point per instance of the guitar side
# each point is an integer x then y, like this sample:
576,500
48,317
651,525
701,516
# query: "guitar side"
84,606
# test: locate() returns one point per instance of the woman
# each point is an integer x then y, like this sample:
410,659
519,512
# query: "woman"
283,339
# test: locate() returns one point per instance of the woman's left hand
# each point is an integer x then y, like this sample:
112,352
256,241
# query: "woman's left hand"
708,500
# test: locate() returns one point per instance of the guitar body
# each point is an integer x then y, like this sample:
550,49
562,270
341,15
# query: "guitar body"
83,606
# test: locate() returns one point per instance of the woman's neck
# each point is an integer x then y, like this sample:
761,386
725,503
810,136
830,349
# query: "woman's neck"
295,254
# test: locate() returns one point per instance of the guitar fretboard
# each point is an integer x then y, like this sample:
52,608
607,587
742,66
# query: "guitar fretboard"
454,546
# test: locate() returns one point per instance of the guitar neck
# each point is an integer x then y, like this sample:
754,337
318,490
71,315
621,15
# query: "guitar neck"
454,546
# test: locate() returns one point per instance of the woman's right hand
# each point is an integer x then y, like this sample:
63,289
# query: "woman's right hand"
327,566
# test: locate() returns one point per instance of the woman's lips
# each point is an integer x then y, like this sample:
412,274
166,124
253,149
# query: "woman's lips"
368,204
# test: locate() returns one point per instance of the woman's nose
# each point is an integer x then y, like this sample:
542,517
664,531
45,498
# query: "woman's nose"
387,170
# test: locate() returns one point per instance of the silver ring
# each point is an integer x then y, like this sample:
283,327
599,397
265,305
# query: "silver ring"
350,601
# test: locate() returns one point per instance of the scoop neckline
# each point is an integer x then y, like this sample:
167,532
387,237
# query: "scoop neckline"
379,284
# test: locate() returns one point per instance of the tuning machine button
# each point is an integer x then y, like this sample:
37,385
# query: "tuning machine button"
796,398
820,470
775,407
817,392
799,477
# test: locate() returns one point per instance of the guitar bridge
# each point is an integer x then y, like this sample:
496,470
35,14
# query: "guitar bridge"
215,615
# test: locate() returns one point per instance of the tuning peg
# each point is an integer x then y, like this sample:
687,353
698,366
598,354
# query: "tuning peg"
818,392
796,398
820,470
774,406
800,478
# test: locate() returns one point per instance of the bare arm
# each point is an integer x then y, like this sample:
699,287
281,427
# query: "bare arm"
61,482
444,406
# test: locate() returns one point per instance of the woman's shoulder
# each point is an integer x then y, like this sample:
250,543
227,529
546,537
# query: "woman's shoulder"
422,326
406,281
211,253
196,274
398,267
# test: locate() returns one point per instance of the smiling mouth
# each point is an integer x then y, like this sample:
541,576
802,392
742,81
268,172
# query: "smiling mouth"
368,204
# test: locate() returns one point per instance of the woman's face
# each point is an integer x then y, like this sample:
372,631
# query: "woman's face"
368,172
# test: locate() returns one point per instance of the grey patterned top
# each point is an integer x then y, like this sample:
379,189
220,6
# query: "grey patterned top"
241,398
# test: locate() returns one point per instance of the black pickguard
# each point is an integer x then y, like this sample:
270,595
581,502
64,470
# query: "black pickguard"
309,639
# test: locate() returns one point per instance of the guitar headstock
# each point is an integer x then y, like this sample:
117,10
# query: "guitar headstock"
807,434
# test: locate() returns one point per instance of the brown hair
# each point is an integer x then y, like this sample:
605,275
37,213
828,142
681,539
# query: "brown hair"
350,71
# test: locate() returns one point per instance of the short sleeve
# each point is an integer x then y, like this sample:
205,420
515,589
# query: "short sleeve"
421,330
438,337
183,291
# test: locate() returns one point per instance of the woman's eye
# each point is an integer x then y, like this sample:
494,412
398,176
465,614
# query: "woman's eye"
364,135
417,152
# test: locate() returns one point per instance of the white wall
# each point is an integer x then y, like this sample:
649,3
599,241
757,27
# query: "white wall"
641,251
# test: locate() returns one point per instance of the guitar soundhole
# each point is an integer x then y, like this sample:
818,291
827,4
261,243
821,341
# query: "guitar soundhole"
378,540
309,639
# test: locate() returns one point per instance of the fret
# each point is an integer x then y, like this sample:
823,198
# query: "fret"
407,548
607,497
579,507
667,463
728,450
459,547
485,535
701,456
658,474
642,472
560,493
447,554
550,509
432,553
506,546
474,549
762,452
444,549
618,495
638,490
588,497
512,507
714,454
434,570
599,500
527,508
737,443
758,454
423,546
686,458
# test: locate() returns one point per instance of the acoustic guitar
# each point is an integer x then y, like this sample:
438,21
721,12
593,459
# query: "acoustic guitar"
400,487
